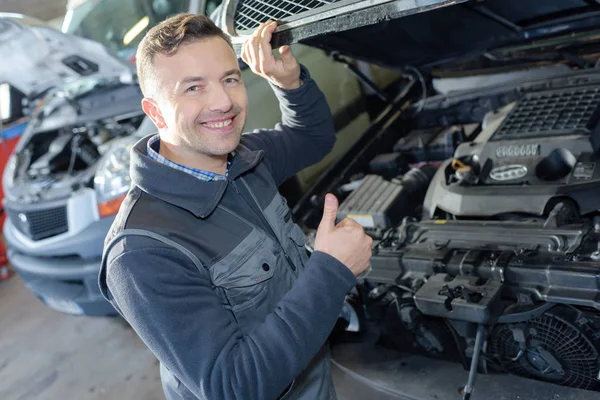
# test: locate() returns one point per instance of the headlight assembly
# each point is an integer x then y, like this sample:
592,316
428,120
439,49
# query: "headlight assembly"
112,180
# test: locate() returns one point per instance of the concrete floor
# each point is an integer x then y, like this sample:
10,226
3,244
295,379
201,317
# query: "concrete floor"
46,355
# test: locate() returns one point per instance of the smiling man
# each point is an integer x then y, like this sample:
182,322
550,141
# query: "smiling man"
205,126
204,260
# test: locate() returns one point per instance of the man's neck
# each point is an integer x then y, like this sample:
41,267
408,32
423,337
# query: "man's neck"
192,159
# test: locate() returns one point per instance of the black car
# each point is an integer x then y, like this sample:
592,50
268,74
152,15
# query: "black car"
479,180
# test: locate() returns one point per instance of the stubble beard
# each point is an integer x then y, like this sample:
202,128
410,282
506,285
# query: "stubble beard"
208,144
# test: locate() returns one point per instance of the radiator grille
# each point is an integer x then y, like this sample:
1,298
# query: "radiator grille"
251,13
552,113
40,224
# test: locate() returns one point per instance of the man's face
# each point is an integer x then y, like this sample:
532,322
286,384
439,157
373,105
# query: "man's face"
201,100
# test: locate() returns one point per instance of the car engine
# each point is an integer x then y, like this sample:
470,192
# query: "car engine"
70,125
71,149
70,130
486,233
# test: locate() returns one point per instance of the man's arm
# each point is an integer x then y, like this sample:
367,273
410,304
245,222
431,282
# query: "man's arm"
306,133
173,308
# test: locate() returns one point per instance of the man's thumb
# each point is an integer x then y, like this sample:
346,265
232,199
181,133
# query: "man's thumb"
329,212
286,53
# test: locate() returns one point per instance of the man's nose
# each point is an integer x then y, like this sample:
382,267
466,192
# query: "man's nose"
220,100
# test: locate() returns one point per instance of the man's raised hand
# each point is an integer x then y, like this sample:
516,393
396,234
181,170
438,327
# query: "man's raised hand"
258,54
345,241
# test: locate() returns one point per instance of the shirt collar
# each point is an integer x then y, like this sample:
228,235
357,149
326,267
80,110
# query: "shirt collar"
180,188
153,148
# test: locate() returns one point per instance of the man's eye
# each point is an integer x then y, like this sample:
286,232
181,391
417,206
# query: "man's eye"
231,81
194,88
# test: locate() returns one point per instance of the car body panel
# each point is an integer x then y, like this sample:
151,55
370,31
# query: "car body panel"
424,32
52,57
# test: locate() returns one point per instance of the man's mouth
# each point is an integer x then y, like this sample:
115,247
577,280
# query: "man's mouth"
218,124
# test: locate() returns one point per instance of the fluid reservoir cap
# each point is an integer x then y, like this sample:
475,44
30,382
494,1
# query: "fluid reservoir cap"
465,174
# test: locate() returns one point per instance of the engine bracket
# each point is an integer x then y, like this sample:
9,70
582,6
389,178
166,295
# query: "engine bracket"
463,298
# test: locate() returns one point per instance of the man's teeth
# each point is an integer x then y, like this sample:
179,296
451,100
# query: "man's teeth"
220,124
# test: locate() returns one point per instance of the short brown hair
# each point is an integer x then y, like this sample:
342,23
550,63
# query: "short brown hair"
166,37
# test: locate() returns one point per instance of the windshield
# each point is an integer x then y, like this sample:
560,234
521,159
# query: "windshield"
119,24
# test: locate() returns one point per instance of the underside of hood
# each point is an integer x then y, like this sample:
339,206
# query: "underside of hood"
36,57
396,33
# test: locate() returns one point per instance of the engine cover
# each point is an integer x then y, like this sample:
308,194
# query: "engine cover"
543,147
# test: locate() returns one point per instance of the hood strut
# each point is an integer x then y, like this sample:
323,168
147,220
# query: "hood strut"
364,79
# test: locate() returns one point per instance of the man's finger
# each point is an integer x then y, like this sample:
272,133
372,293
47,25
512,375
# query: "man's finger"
244,53
265,51
266,33
286,55
245,50
251,54
329,214
253,51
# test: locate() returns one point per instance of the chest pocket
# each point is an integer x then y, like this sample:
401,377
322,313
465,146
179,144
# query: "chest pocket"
245,276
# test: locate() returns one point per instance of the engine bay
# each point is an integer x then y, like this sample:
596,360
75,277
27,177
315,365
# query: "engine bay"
70,130
70,150
483,210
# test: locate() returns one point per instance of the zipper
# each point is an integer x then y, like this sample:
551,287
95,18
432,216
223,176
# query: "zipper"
262,214
235,187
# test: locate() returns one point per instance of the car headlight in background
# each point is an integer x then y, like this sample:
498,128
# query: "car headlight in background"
112,180
5,105
8,176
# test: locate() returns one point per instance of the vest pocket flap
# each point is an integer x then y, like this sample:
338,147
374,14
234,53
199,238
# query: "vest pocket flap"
230,267
252,273
257,267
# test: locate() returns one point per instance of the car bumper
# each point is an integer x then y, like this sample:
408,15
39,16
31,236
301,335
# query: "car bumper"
66,284
85,242
62,271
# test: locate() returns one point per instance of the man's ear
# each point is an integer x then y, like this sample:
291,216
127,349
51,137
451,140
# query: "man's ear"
151,110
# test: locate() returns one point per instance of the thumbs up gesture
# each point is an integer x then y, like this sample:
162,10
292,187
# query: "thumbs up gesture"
345,241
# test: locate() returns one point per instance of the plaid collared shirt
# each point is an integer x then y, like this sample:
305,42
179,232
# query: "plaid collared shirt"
207,176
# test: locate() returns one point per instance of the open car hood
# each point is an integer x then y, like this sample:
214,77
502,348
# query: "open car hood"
36,57
396,33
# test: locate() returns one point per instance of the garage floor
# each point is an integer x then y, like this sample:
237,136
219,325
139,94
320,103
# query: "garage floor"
46,355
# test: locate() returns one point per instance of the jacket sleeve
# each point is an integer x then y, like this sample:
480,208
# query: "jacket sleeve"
305,135
173,308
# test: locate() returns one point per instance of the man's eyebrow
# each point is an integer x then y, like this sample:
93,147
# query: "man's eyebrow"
233,71
190,79
194,79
